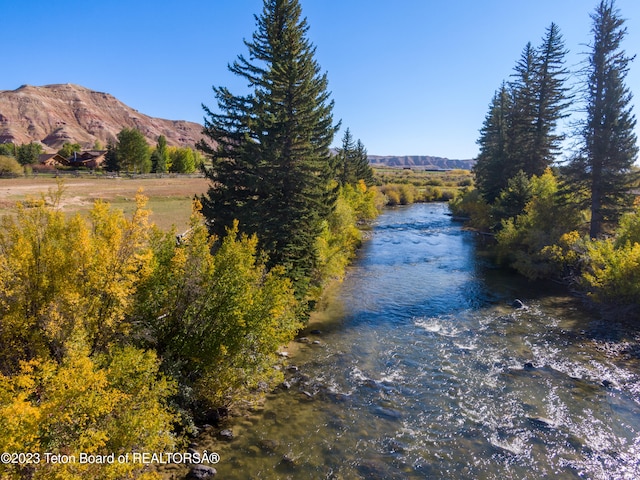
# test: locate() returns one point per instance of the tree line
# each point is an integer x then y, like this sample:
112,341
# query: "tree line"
574,219
129,152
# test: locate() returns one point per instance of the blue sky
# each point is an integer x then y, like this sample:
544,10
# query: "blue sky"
409,77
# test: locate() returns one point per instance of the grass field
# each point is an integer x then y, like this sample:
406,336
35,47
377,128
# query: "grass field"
169,197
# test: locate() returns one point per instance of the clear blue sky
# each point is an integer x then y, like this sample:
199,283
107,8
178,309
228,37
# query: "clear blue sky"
409,77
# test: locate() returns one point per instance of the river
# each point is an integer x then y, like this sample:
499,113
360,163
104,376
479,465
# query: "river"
422,368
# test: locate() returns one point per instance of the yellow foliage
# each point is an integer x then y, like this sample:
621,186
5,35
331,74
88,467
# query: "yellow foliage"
530,241
340,236
79,406
67,287
62,277
216,315
613,274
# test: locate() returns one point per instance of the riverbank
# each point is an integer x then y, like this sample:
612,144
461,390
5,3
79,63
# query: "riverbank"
428,372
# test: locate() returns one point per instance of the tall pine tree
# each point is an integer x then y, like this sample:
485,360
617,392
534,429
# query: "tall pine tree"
160,156
362,167
602,170
494,154
552,100
519,133
522,114
271,163
353,162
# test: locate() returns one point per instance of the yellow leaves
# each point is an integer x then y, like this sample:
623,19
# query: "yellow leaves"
220,312
74,291
80,406
613,273
340,236
629,229
59,274
19,418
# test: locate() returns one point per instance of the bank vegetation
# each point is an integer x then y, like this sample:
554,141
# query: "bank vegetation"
576,220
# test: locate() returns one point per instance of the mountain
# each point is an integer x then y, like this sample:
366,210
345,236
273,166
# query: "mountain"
420,161
55,114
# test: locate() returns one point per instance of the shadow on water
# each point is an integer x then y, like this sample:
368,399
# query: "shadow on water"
421,368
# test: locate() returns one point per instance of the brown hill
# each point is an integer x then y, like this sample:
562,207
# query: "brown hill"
54,114
421,162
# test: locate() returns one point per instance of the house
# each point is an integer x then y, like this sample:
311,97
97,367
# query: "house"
87,159
51,160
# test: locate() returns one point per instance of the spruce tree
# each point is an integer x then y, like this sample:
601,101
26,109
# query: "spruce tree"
552,100
271,164
363,170
346,158
519,132
352,162
539,102
493,158
522,114
160,156
602,170
111,163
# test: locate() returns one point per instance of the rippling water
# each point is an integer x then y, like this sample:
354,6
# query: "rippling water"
428,372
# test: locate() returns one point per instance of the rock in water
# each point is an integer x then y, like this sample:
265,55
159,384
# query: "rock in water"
200,472
518,304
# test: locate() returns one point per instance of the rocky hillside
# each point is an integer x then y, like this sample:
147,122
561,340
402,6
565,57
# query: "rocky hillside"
55,114
420,161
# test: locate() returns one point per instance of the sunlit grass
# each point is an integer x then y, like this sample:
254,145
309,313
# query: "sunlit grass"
170,199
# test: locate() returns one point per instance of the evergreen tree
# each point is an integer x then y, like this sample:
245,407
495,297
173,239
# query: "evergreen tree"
602,170
160,156
362,168
540,100
271,164
522,114
353,162
111,158
552,98
345,158
519,132
494,155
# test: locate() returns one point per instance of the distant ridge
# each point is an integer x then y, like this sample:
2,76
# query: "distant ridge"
55,114
423,162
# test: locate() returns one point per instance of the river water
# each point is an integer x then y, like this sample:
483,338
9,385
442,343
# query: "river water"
421,368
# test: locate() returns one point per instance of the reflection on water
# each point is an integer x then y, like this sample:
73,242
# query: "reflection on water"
431,373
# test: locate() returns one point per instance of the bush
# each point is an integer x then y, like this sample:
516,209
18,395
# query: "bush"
613,274
407,194
9,167
216,319
392,194
473,208
524,240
